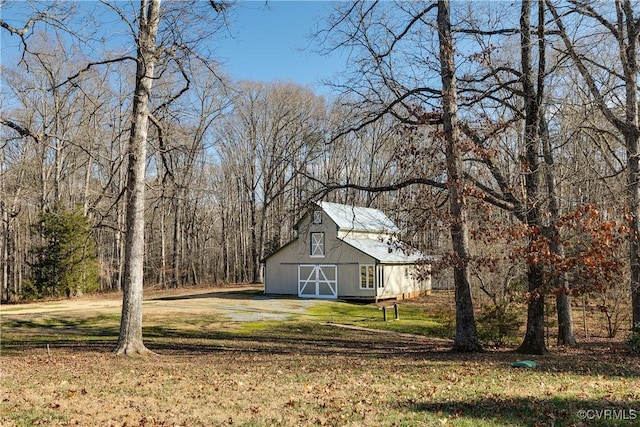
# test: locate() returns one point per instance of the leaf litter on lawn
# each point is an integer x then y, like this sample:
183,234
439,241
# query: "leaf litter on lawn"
299,371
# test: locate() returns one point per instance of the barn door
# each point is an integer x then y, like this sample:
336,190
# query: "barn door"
318,281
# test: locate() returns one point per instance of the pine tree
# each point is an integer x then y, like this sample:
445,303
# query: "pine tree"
66,263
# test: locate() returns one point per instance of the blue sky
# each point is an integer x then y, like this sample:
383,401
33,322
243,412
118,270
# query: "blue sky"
271,42
268,40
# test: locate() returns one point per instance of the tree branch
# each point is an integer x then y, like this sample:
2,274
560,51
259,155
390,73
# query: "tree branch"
20,129
432,119
591,83
22,31
181,91
404,32
89,66
327,188
503,31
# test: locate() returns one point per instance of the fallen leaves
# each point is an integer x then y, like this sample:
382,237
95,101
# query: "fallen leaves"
309,378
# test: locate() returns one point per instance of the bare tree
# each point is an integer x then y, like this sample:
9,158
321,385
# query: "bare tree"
130,338
466,335
619,106
389,81
52,126
269,132
534,336
510,99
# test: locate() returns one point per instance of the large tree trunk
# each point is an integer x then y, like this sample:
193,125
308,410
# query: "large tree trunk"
561,284
466,337
130,339
533,342
534,337
566,335
563,303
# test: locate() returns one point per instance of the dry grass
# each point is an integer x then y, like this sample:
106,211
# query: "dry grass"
215,368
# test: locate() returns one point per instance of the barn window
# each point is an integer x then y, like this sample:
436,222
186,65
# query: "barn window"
317,217
317,244
367,276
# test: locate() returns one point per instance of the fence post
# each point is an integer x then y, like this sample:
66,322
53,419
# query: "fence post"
395,311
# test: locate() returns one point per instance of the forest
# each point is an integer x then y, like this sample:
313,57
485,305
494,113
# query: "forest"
502,137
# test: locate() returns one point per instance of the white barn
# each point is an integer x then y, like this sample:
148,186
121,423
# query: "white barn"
344,252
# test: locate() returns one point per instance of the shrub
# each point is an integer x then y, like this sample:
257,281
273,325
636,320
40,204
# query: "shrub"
497,323
29,291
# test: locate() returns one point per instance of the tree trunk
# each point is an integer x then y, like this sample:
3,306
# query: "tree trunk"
254,250
119,248
162,279
533,342
633,175
5,251
18,260
632,142
566,335
130,339
563,303
87,184
225,244
257,268
466,336
176,265
630,128
534,337
4,245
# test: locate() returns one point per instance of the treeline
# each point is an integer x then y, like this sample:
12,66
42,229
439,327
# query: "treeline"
231,166
229,174
537,138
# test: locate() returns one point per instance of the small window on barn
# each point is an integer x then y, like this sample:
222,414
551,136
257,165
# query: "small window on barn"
380,277
317,244
367,276
317,217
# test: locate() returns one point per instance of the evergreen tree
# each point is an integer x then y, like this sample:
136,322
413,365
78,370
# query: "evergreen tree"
66,262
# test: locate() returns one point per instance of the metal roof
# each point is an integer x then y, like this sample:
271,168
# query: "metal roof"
358,219
385,252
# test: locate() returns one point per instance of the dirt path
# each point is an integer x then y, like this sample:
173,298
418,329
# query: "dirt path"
237,304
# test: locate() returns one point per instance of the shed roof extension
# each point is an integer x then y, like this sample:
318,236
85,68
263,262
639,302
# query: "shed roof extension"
384,252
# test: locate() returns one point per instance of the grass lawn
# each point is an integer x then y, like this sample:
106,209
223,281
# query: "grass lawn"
57,368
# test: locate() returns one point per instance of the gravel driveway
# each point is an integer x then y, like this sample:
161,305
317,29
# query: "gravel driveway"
235,304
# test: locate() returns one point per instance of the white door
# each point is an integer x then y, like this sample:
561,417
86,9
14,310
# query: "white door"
318,281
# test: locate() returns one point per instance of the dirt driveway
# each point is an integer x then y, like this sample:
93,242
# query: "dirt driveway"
236,304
